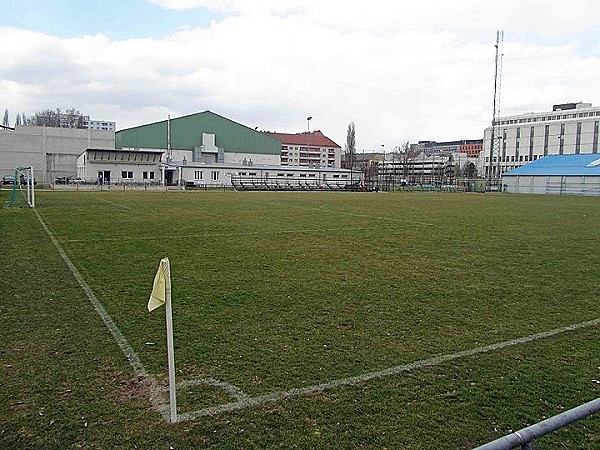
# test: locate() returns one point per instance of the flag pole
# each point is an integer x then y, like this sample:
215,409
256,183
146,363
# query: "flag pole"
170,350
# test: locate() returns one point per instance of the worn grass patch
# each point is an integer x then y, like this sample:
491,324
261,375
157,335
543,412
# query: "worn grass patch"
276,291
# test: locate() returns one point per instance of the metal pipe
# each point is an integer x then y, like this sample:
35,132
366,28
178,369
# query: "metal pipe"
526,436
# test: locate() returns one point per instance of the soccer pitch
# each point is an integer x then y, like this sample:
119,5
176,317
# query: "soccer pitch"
340,320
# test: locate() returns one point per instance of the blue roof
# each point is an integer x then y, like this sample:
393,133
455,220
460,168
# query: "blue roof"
561,165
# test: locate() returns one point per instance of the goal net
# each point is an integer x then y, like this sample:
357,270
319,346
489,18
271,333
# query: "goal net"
23,189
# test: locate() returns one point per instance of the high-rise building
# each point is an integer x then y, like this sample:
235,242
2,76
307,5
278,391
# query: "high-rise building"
569,129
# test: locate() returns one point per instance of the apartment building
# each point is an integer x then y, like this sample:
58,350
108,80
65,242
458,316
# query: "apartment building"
98,124
312,149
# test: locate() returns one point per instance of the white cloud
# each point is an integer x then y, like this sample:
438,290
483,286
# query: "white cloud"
418,71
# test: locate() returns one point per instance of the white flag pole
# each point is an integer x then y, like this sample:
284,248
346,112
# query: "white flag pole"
170,350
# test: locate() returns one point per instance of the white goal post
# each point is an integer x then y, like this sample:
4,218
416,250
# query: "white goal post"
23,192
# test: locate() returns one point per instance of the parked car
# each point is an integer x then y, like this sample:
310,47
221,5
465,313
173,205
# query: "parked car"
25,180
8,179
62,180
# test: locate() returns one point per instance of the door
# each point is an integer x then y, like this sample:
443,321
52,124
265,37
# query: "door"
169,177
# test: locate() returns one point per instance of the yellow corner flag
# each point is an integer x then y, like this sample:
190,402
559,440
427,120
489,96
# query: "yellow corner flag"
158,295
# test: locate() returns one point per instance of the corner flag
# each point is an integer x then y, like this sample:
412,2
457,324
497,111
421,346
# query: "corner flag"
158,295
161,295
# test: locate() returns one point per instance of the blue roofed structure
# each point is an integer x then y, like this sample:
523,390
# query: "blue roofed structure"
556,174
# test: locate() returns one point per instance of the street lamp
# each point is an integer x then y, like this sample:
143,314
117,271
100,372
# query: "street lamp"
383,166
308,139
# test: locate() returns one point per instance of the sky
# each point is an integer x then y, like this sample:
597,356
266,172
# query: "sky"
401,71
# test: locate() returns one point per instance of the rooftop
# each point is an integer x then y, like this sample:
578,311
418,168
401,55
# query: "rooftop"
561,165
315,138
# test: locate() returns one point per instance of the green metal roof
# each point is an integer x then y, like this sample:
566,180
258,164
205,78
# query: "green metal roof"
186,133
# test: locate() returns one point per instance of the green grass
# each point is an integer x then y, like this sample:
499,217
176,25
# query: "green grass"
275,291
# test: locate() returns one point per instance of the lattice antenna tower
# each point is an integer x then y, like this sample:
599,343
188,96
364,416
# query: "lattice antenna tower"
495,144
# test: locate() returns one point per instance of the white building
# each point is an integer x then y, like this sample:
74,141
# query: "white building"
109,166
104,125
149,167
569,129
312,149
52,152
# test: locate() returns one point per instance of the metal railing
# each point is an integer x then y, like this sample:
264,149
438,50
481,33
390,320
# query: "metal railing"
526,436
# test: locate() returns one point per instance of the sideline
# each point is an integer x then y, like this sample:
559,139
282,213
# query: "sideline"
156,399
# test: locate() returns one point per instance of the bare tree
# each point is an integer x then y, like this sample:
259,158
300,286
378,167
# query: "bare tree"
469,170
71,118
18,120
350,149
406,157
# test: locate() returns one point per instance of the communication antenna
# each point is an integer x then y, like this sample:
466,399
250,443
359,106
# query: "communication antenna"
495,144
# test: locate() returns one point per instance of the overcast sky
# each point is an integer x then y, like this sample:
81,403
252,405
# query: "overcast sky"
421,70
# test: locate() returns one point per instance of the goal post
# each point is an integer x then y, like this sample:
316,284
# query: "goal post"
23,191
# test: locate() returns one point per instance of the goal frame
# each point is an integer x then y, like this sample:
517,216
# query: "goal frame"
23,181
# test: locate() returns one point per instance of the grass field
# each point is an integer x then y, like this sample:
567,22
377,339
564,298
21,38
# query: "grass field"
311,305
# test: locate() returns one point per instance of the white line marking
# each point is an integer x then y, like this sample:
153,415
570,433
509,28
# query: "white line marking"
298,392
155,398
116,204
232,390
244,401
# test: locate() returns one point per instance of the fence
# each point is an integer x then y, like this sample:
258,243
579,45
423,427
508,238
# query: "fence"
526,436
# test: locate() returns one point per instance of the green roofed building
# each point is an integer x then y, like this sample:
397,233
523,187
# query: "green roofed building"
202,149
203,137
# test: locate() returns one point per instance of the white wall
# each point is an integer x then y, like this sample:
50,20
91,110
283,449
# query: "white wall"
50,151
257,159
566,185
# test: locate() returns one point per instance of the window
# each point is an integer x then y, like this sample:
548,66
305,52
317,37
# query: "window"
126,175
531,136
197,174
578,139
290,174
214,175
151,175
145,175
595,142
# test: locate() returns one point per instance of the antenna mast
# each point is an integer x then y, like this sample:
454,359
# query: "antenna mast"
494,144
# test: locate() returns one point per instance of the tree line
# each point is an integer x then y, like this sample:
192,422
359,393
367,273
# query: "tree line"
70,118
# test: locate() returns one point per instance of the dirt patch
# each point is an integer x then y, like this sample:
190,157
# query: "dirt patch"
138,389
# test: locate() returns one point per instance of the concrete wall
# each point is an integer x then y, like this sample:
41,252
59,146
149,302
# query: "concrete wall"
52,152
